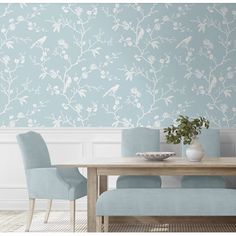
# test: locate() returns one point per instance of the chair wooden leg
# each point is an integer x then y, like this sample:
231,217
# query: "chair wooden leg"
99,224
49,206
106,223
72,215
30,214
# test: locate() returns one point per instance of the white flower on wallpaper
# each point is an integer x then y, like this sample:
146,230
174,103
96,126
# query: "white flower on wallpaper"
16,105
120,65
215,83
147,68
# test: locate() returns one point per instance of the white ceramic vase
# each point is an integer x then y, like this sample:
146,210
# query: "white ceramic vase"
194,151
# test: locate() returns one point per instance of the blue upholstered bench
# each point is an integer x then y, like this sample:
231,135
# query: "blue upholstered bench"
165,202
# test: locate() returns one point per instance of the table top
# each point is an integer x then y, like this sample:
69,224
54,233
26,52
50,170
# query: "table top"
139,162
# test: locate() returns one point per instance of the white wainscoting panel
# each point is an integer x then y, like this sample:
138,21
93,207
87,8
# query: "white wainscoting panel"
106,150
65,152
69,145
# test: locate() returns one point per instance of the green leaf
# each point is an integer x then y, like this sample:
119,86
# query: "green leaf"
185,130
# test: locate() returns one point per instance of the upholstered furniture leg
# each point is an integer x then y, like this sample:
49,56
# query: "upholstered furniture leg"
106,223
30,214
49,206
99,224
72,215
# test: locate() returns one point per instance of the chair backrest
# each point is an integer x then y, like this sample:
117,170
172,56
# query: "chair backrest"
210,141
139,140
34,150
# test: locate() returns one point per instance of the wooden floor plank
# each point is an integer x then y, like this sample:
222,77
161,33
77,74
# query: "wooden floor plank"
14,221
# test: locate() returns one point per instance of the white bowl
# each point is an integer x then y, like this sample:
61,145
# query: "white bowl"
155,156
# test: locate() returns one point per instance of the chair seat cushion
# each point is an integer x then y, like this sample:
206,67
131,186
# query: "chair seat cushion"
203,182
129,181
167,202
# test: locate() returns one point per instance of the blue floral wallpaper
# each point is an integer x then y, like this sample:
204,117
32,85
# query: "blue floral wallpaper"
116,65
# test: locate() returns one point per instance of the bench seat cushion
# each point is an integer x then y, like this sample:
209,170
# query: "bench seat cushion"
167,202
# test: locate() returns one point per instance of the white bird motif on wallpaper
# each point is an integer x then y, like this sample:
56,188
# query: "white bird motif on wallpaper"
184,42
112,90
139,35
39,42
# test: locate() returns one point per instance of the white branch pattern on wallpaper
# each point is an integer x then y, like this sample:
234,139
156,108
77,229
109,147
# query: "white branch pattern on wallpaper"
120,65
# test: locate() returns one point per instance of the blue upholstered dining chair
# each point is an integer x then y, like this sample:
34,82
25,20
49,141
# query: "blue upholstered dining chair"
210,140
139,140
45,181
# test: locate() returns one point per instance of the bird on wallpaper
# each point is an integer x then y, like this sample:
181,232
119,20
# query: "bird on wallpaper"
112,90
184,42
139,35
39,42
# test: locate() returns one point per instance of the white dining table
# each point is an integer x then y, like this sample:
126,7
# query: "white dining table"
100,168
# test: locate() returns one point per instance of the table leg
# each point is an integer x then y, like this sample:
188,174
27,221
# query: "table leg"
102,184
92,197
102,187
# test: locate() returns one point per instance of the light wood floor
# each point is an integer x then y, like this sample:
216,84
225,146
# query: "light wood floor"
14,221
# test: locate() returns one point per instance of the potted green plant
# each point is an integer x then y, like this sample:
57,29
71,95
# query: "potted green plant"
186,131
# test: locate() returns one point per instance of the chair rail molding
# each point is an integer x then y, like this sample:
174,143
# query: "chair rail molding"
69,145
